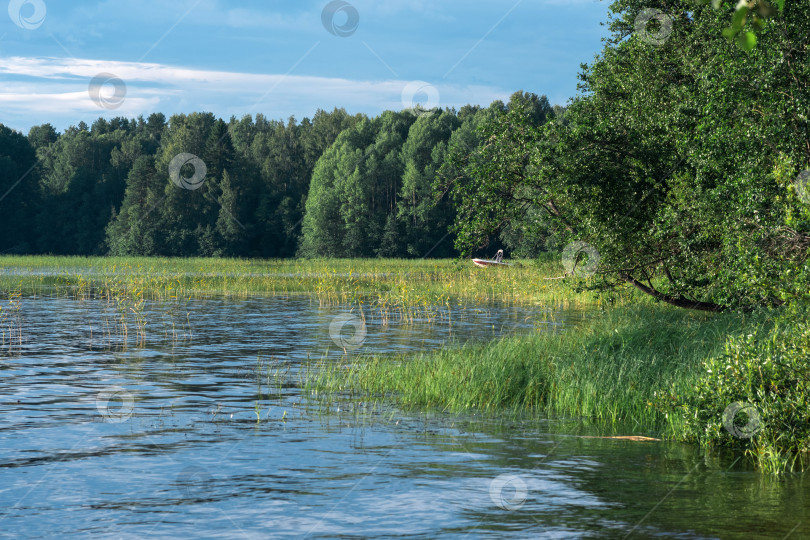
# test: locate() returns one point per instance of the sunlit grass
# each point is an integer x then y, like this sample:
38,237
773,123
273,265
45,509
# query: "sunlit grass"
608,368
393,283
387,290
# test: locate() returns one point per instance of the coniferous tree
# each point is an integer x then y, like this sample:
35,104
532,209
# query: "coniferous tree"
18,180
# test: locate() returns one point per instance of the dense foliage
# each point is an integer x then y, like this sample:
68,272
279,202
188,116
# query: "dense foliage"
754,395
679,162
106,188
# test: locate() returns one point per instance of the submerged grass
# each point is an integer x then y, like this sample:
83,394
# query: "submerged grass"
386,290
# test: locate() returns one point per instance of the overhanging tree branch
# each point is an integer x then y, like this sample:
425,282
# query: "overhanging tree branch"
677,301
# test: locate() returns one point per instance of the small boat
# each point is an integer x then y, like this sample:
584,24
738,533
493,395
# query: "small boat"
497,261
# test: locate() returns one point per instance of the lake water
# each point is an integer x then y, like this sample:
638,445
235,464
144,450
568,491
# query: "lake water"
163,440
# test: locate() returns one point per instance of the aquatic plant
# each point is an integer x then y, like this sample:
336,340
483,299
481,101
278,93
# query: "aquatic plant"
398,284
11,323
146,293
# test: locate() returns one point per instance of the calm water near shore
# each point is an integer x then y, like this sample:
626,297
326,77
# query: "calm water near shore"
193,423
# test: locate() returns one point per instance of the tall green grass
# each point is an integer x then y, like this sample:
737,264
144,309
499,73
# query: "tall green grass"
660,368
609,368
393,284
656,368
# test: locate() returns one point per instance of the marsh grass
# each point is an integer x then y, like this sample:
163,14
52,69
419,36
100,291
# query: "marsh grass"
608,368
385,290
623,365
393,283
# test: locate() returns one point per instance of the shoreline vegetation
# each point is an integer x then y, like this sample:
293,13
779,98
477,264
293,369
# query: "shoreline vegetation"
398,283
730,379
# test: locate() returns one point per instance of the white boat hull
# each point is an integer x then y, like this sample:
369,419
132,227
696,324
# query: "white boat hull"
483,263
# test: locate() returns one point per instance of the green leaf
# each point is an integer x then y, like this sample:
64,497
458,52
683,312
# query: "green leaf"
738,20
747,41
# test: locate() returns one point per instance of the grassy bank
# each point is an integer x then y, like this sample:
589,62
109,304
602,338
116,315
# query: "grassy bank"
665,370
609,368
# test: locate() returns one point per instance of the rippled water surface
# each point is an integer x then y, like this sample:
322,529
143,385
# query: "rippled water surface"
203,431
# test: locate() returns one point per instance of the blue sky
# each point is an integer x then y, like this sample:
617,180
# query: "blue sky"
279,58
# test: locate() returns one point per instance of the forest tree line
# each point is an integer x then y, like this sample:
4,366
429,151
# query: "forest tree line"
335,185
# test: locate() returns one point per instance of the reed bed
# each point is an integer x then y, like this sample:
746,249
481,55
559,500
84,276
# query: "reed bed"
392,284
137,294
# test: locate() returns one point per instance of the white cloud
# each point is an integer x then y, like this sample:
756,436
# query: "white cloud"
39,85
78,102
